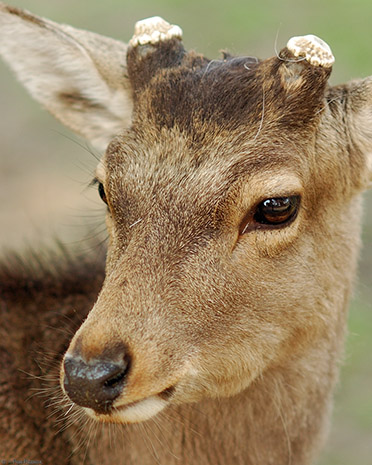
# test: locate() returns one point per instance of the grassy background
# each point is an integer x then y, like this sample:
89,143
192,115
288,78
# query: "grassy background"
44,174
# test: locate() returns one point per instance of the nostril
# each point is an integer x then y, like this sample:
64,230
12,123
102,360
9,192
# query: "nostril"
94,384
111,382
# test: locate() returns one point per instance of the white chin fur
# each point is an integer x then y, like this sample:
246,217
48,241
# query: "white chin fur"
139,411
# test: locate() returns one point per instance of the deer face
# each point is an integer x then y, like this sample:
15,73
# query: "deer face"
210,197
230,191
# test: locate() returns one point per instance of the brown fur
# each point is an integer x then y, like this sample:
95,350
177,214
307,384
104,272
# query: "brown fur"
46,305
240,334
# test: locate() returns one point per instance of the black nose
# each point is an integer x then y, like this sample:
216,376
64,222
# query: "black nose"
94,384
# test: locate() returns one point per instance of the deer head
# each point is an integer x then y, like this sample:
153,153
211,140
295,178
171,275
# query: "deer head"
232,206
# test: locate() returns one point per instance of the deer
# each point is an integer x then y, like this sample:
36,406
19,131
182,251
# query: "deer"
213,330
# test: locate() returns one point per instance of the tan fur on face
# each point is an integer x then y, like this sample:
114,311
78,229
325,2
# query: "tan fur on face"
201,310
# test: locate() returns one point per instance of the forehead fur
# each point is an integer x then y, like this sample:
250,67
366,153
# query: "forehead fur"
223,120
200,125
163,166
232,94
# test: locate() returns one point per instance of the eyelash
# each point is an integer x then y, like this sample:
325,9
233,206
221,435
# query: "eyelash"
101,189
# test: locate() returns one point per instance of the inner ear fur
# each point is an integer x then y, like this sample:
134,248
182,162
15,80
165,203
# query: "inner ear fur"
344,136
79,76
358,110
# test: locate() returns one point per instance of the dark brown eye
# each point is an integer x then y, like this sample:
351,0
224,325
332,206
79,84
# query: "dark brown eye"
276,211
101,191
272,213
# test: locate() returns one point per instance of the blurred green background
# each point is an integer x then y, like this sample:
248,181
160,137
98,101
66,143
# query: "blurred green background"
44,172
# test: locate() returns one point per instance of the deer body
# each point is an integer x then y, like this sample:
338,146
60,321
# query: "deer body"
233,210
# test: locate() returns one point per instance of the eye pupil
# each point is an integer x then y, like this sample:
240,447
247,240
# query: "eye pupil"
101,191
271,213
276,211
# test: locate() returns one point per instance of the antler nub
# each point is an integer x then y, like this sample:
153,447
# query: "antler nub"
154,30
313,49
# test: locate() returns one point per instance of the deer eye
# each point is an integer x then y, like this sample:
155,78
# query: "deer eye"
101,191
271,213
276,211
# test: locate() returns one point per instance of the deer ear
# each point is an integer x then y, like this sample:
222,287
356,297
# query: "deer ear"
359,119
79,76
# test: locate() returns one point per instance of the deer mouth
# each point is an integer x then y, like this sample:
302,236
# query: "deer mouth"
134,412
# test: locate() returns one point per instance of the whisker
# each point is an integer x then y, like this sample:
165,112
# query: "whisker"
85,147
